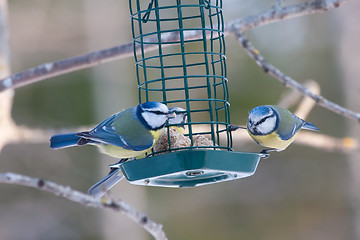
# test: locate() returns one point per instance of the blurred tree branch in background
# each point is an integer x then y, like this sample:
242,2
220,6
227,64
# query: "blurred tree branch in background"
140,218
12,133
236,28
288,81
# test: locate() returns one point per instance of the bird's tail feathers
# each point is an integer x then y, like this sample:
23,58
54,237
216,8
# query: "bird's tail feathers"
64,140
310,126
98,189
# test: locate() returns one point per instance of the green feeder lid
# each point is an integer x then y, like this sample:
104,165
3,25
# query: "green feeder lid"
190,168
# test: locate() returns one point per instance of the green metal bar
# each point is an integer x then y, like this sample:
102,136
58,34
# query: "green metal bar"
158,27
170,7
203,24
142,48
134,48
178,54
175,83
186,85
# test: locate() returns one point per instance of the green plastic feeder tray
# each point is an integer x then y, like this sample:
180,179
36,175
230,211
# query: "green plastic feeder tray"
190,168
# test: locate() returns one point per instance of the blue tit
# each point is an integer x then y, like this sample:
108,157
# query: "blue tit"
127,134
115,175
275,127
179,121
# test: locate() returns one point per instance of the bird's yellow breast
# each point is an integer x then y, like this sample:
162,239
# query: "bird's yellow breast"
180,129
272,140
120,152
156,134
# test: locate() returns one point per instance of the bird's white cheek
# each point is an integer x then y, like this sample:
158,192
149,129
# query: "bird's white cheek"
154,120
267,126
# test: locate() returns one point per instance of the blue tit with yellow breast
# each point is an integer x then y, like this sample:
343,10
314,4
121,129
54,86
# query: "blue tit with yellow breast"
115,175
127,134
275,127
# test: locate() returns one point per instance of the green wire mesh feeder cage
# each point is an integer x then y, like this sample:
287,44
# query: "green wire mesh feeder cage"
179,51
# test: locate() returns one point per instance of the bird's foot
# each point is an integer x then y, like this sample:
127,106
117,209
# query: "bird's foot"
266,152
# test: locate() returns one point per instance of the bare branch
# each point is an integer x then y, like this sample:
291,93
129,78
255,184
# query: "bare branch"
328,143
288,81
13,133
140,218
307,104
60,67
280,12
309,139
293,96
236,27
52,69
57,68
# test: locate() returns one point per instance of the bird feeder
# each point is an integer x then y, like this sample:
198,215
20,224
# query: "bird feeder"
179,52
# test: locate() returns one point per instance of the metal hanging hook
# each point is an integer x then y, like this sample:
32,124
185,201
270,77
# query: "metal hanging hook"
207,3
146,16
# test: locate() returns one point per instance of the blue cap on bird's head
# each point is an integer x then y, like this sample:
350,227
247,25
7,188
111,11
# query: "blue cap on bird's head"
262,120
261,110
154,115
154,106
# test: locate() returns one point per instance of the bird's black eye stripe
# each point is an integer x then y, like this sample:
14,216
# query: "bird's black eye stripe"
158,112
263,119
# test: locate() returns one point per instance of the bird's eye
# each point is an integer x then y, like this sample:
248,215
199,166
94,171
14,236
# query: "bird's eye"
262,120
158,112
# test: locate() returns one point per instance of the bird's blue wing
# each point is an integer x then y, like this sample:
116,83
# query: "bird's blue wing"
299,123
104,133
290,123
125,134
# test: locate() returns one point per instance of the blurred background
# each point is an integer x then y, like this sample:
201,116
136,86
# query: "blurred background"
301,193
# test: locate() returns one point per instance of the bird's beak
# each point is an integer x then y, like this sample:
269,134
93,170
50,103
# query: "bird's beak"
252,128
171,115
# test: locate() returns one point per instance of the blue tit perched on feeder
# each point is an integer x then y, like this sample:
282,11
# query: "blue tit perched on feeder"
275,127
179,121
127,134
114,176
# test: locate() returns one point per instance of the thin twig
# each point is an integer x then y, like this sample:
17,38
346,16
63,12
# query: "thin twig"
288,81
236,27
280,12
307,104
60,67
292,97
140,218
326,142
52,69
